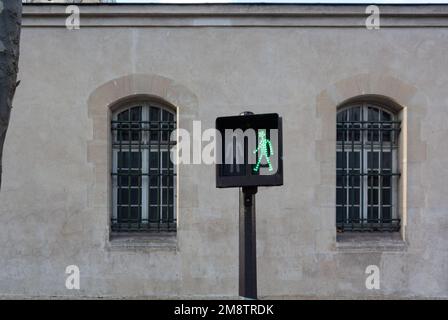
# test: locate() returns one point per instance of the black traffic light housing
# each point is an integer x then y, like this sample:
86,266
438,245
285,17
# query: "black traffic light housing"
244,174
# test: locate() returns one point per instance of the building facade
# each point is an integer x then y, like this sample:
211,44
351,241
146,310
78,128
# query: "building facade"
88,180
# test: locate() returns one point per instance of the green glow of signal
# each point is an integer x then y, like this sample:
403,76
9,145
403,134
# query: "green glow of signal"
263,145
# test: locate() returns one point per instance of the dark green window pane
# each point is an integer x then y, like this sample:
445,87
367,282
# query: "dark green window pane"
340,214
373,114
372,160
341,160
342,116
153,214
355,179
129,196
386,196
128,214
354,196
153,196
127,160
154,160
165,115
165,181
373,181
164,214
372,214
340,133
387,181
372,197
354,214
171,196
355,114
387,214
341,196
165,196
153,182
129,181
123,116
154,114
386,160
136,114
354,162
339,180
171,214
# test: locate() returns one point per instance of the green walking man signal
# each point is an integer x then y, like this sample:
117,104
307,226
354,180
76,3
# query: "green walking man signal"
262,150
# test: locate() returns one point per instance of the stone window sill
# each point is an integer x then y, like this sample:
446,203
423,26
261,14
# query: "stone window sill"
368,242
143,241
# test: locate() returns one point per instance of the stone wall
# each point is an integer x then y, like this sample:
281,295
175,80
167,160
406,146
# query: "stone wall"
209,61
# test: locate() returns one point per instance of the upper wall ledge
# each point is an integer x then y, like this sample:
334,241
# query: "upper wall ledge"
236,15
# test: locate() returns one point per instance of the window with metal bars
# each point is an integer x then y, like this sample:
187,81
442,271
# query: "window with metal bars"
367,169
143,175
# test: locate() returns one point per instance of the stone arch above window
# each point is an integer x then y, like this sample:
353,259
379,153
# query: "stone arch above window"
110,97
383,102
135,86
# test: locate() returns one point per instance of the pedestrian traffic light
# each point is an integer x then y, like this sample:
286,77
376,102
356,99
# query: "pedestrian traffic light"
249,152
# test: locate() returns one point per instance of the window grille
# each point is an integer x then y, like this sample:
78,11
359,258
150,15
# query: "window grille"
143,176
367,170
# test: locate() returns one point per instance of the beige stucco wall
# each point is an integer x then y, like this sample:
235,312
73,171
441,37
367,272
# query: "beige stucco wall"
55,202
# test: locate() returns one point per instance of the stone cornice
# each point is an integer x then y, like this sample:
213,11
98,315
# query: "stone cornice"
236,15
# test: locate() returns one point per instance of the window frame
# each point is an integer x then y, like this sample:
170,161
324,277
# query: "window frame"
363,146
162,147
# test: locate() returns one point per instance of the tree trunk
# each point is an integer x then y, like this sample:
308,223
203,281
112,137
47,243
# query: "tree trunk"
10,23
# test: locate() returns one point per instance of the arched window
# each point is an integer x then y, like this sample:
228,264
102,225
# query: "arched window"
143,176
367,168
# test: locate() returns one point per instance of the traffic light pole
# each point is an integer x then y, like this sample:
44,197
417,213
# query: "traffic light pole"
248,177
247,245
